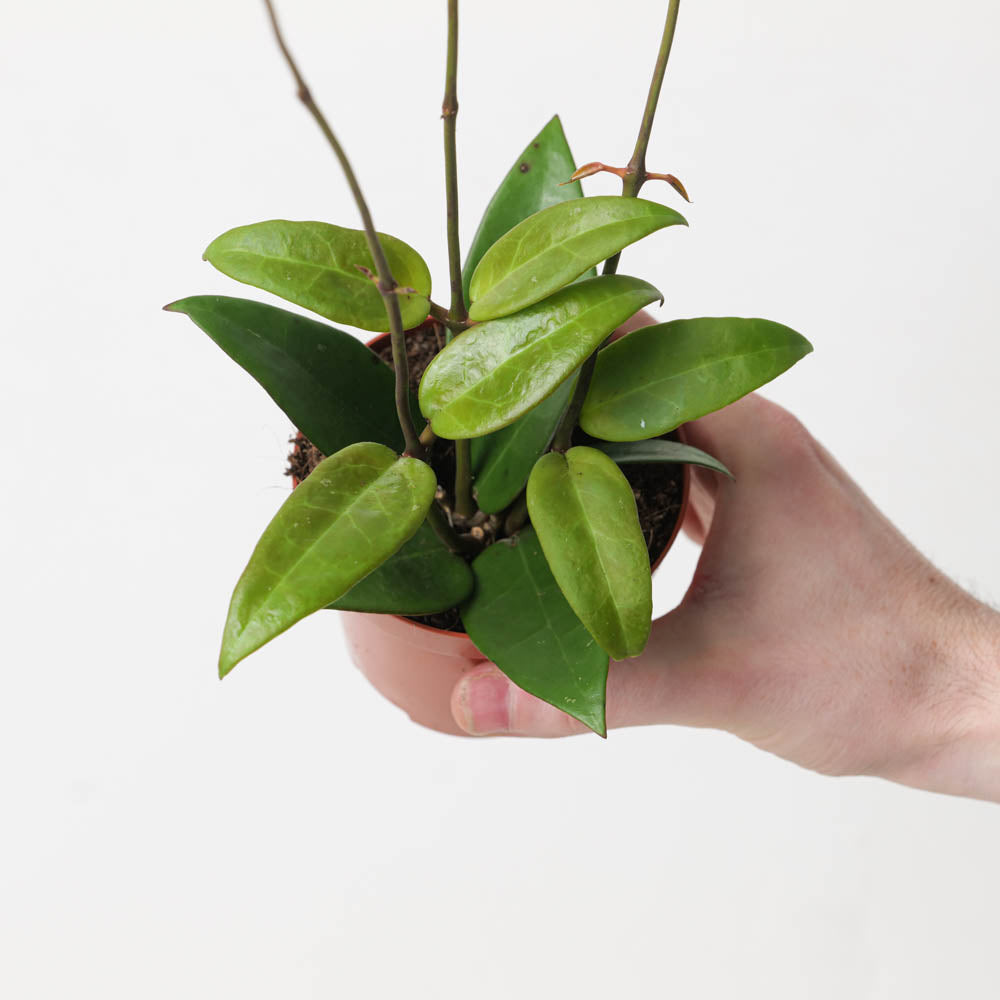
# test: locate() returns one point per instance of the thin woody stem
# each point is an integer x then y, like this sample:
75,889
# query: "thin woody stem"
449,113
457,314
439,522
635,172
517,515
637,165
386,283
634,177
563,437
443,316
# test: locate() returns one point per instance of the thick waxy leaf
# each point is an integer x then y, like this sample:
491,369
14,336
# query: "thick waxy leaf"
421,578
502,461
658,450
555,246
519,618
356,509
584,512
534,182
658,377
491,374
333,388
315,265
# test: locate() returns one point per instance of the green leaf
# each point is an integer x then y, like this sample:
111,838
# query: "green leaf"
555,246
534,182
492,373
315,265
356,509
519,618
584,512
658,377
659,450
333,388
502,461
421,578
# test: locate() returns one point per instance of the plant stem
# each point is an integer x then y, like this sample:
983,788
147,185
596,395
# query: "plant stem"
443,315
449,114
517,515
386,283
464,505
563,437
443,529
632,182
635,172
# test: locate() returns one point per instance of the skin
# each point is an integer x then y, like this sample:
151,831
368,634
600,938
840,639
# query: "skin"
812,629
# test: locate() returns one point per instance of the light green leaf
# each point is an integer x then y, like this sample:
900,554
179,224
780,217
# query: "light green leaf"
421,578
492,373
555,246
333,388
518,617
355,510
535,181
659,377
315,265
584,512
659,450
502,461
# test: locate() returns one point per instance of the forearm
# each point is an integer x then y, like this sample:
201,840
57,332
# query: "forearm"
954,745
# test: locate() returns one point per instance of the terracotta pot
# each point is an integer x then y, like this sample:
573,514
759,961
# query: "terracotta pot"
416,667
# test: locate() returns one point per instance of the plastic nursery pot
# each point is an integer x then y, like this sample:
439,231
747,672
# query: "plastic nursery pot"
416,666
412,665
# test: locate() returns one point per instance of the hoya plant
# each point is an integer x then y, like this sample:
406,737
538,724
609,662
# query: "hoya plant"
497,488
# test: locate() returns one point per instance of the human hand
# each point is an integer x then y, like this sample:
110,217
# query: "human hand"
812,628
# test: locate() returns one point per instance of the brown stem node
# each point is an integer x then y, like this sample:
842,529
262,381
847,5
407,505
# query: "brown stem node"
673,181
589,169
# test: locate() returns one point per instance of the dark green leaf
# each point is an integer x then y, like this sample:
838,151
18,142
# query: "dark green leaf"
333,388
659,450
584,512
658,377
315,265
555,246
491,374
421,578
502,461
534,182
519,618
356,509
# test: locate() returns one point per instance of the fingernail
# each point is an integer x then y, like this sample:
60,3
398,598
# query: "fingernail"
483,701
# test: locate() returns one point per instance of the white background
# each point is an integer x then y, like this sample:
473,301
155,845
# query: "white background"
287,833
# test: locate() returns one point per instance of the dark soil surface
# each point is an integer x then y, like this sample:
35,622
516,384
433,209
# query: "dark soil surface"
657,487
421,346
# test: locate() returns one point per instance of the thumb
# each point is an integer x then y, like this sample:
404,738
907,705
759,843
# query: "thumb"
669,683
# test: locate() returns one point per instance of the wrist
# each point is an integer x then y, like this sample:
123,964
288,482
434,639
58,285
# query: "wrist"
953,742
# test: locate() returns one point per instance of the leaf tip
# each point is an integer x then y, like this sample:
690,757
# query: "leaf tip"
174,307
228,658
